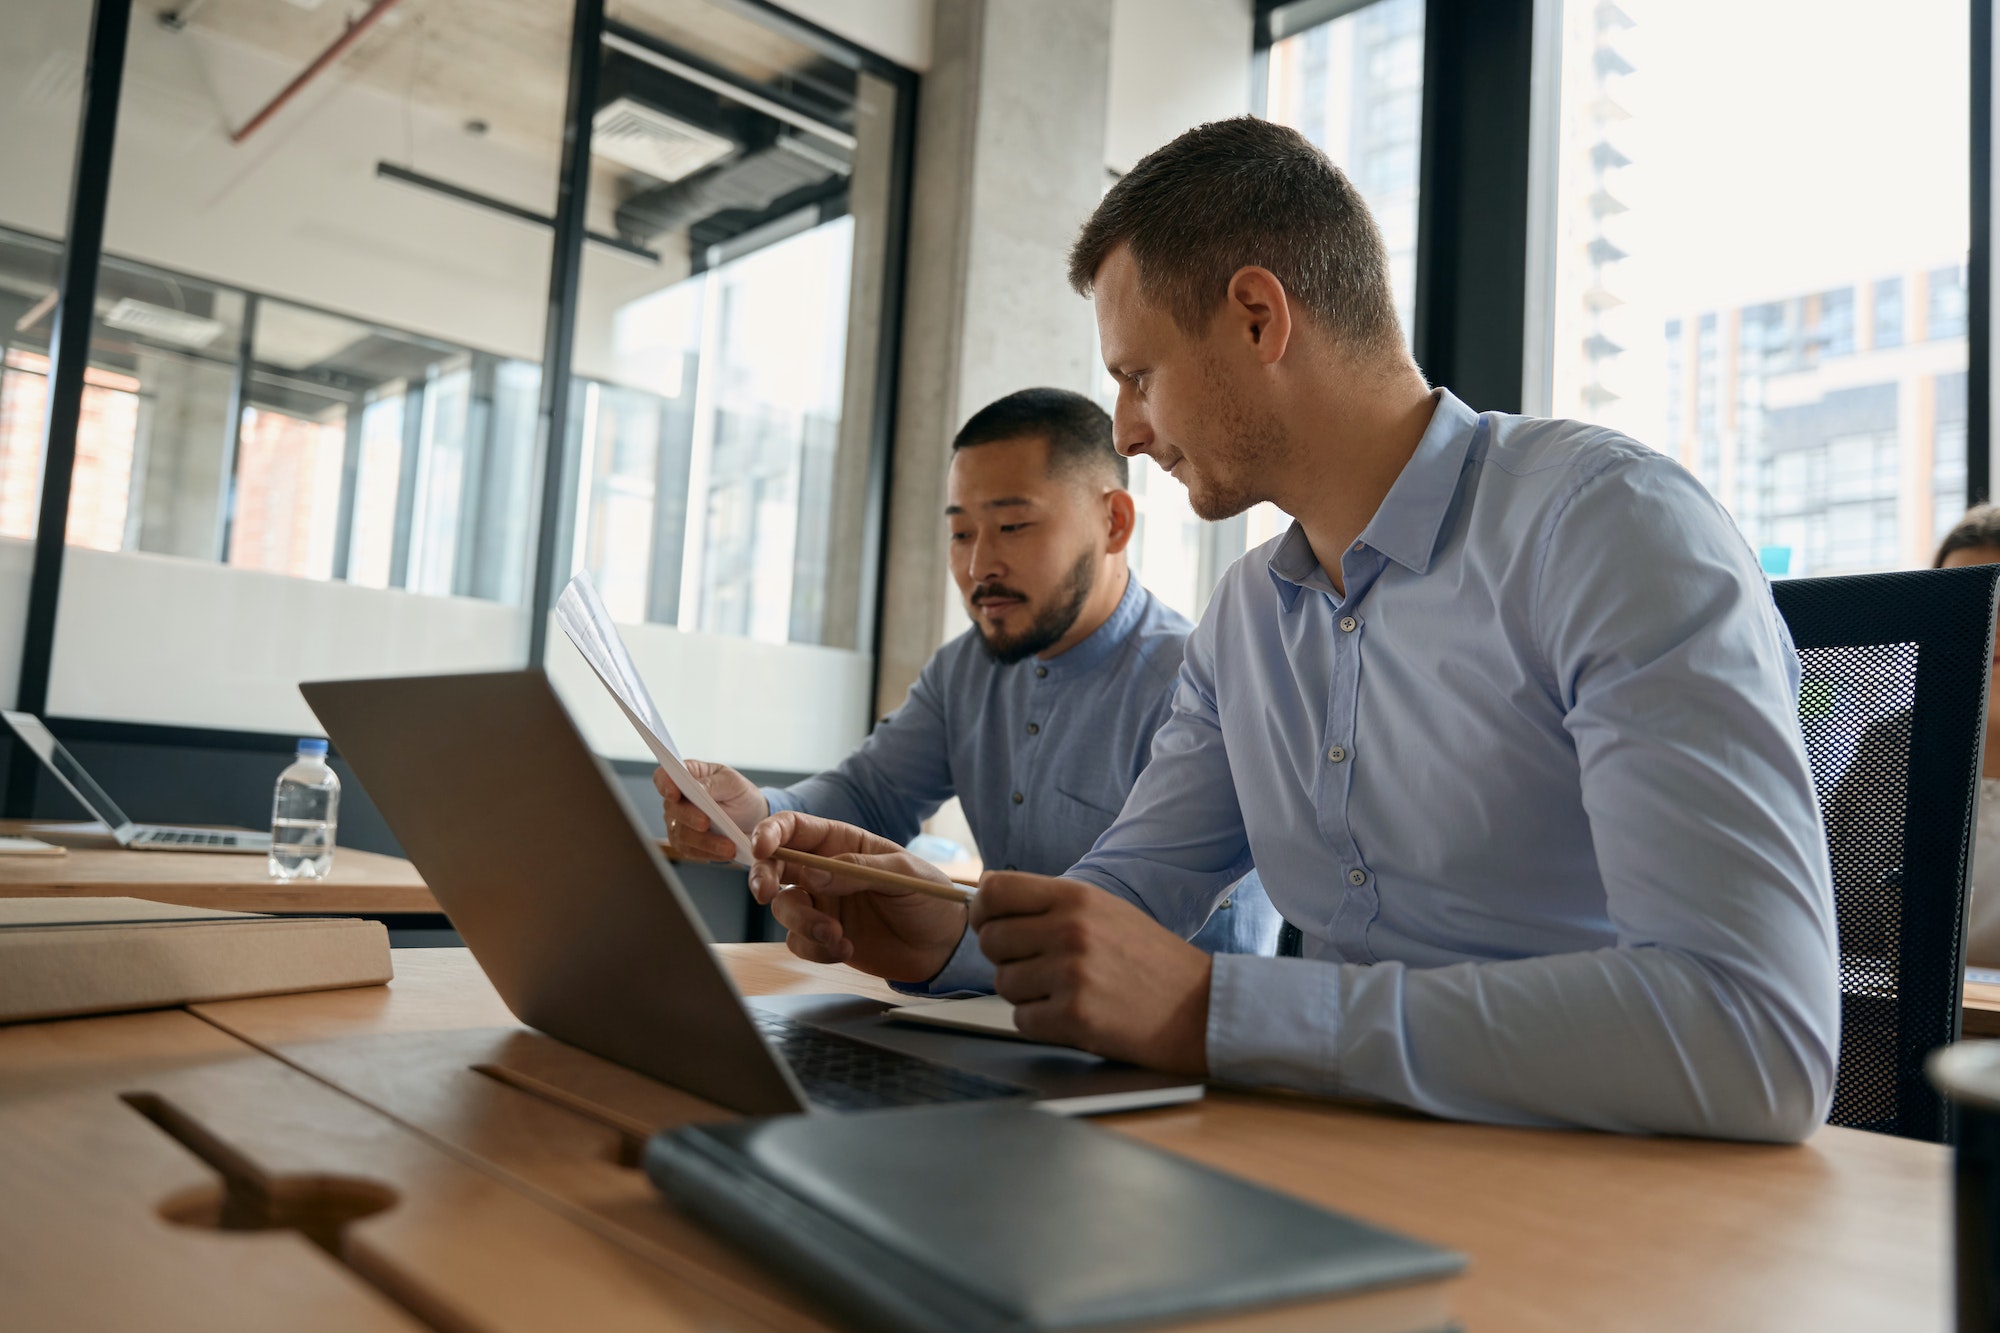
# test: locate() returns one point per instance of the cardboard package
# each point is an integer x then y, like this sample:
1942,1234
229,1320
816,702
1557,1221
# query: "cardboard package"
66,956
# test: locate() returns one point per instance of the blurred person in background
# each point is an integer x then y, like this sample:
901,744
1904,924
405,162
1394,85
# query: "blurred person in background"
1856,805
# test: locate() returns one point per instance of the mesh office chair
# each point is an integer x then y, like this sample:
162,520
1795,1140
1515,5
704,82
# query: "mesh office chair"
1893,704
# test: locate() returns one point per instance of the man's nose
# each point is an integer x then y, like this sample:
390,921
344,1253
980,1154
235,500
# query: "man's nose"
986,563
1131,433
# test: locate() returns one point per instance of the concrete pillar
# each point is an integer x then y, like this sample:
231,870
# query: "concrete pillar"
1010,160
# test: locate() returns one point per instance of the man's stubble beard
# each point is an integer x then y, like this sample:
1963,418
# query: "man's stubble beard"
1052,624
1246,450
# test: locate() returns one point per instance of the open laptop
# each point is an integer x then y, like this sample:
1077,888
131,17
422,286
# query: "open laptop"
552,880
138,837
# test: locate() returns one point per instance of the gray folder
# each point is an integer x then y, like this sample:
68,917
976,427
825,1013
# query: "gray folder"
992,1217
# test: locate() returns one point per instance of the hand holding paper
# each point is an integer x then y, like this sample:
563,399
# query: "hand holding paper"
689,834
583,617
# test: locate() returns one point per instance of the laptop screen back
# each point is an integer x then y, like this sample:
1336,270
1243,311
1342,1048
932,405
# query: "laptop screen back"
550,878
63,764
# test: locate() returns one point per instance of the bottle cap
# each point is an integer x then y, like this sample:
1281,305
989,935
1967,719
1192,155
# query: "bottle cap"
312,745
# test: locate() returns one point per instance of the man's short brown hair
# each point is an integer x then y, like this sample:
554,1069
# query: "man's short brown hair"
1979,528
1241,192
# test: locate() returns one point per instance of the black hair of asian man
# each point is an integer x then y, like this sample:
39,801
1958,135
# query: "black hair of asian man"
1077,429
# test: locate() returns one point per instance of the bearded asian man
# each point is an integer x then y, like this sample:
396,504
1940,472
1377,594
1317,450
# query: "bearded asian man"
1041,716
1507,720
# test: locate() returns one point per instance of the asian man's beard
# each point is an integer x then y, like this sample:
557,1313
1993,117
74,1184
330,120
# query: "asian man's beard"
1048,628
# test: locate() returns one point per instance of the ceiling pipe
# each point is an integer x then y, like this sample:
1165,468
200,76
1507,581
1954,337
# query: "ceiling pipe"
355,31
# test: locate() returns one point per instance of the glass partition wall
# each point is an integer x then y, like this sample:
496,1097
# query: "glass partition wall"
310,442
41,75
724,411
326,470
360,453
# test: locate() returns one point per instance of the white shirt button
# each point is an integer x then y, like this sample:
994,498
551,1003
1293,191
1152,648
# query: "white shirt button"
1347,624
1357,546
1337,753
1357,877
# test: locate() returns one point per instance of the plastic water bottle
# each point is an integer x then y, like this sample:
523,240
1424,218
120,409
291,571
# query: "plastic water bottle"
304,813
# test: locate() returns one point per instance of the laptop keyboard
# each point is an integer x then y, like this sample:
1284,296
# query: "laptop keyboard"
842,1074
189,837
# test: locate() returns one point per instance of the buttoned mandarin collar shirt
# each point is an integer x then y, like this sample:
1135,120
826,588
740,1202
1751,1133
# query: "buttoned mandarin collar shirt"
1040,753
1533,788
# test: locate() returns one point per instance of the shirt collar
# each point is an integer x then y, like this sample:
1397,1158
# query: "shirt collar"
1407,525
1103,640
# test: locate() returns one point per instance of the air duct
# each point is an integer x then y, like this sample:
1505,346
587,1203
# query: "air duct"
784,171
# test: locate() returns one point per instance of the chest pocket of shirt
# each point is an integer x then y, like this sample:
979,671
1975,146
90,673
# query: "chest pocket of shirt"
1075,822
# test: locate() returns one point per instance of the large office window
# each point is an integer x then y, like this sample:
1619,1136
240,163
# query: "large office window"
1354,86
726,355
1760,240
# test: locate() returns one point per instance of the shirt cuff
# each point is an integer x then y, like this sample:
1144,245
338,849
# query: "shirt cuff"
777,798
968,973
1275,1022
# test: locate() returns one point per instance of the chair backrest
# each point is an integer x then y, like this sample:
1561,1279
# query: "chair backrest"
1892,701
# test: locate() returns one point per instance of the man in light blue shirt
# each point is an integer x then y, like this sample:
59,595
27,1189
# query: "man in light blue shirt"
1507,721
1041,716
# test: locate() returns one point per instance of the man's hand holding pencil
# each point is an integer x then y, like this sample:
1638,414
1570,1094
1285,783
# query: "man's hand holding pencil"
1083,967
844,895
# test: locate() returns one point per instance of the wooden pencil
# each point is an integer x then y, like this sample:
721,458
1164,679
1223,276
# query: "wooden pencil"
958,891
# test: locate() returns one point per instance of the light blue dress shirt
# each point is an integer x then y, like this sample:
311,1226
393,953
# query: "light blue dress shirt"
1041,755
1533,789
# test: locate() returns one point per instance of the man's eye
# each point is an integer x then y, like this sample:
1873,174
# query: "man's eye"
1014,527
961,536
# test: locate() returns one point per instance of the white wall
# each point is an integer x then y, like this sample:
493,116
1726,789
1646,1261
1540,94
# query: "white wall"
898,29
794,707
161,639
1174,64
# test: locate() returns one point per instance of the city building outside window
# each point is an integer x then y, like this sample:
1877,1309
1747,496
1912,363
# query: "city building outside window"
1768,283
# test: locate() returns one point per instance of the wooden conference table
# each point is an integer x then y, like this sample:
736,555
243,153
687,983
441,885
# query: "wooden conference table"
409,1157
362,883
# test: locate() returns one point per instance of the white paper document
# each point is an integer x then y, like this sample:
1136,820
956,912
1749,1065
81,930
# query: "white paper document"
582,615
990,1015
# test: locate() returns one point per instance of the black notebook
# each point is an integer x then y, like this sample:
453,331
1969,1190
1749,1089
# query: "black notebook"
1001,1217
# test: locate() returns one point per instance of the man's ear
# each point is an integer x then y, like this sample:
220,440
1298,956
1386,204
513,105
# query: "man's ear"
1123,517
1262,310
